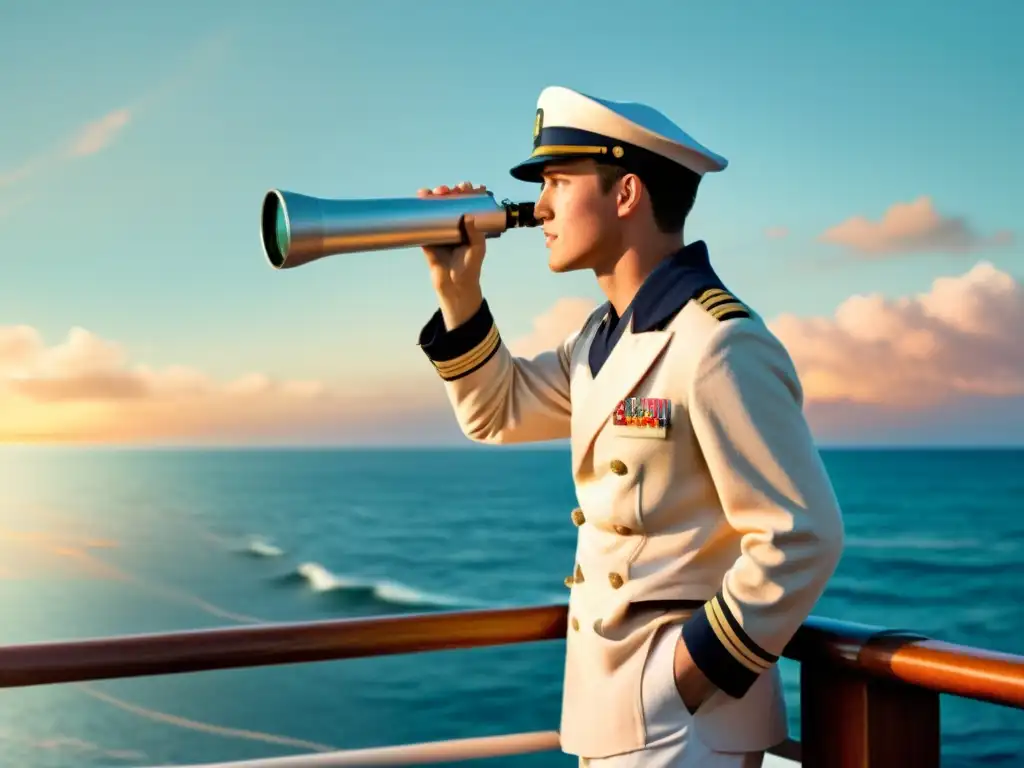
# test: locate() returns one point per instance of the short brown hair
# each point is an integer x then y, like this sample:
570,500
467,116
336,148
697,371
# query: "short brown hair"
672,194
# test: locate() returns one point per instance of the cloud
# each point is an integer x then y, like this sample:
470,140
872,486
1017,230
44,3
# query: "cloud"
959,340
84,389
911,228
945,366
22,172
942,366
553,326
776,233
102,132
98,135
89,139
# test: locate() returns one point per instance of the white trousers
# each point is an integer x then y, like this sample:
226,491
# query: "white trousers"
672,743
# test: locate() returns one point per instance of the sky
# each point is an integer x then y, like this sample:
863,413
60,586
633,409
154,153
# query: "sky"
870,211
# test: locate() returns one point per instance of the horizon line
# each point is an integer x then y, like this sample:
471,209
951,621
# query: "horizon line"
468,446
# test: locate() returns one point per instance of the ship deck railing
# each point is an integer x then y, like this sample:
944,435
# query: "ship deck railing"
869,696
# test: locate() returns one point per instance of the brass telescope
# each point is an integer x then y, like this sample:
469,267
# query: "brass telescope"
297,229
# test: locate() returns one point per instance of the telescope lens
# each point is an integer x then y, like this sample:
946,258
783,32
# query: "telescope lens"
276,239
281,229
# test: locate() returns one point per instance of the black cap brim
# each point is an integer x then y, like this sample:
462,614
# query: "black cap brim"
531,169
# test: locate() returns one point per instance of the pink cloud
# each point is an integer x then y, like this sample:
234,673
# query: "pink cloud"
911,228
553,326
776,233
914,353
945,365
20,173
85,389
89,139
99,134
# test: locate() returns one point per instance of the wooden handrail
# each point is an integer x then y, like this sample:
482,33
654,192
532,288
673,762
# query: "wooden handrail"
896,656
912,659
424,753
869,696
271,644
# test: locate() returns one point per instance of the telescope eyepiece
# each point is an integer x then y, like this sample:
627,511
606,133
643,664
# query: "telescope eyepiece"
519,215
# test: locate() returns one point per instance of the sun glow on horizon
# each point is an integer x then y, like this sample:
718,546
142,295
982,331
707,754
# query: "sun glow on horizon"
877,357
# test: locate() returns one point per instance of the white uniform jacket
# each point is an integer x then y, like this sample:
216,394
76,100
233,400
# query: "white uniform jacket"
729,505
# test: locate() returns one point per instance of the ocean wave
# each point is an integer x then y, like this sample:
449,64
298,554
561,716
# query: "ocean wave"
257,546
321,579
351,589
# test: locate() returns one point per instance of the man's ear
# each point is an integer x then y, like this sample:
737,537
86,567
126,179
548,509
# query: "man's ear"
631,191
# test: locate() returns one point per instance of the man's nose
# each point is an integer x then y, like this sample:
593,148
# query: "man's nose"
541,209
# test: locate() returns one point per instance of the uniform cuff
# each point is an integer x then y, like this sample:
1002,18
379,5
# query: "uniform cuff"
461,351
722,650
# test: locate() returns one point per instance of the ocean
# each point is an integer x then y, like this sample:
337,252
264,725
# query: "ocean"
107,542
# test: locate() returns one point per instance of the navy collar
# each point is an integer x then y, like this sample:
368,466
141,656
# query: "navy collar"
679,277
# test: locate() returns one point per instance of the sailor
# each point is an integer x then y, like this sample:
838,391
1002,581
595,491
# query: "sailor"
707,526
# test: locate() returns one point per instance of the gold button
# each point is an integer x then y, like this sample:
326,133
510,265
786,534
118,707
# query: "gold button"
579,574
618,467
568,581
622,530
578,517
575,624
615,580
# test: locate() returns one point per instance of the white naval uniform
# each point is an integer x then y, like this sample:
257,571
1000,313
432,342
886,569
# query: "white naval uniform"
732,507
729,508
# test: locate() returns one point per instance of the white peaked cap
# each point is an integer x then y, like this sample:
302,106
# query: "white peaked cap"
569,124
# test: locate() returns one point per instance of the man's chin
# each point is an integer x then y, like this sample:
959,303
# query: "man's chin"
559,266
